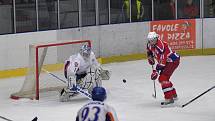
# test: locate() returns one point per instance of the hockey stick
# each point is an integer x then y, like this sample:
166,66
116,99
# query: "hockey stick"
78,89
6,119
154,95
35,119
197,96
54,75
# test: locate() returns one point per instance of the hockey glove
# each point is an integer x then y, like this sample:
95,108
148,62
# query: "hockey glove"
154,75
151,61
159,67
150,54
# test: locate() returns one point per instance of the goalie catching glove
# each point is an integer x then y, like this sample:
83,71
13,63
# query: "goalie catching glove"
105,74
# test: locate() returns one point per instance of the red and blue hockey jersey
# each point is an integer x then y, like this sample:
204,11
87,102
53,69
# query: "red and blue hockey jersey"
162,52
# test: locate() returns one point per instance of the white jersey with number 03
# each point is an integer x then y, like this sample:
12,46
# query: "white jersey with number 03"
79,65
96,111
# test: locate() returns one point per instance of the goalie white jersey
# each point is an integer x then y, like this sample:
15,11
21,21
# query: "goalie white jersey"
96,111
76,64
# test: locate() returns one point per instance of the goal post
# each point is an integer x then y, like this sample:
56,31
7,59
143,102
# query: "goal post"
33,85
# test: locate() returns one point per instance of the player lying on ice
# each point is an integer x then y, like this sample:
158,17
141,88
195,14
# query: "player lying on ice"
82,70
167,62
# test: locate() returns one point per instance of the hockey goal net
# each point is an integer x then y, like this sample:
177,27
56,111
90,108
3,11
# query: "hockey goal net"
43,57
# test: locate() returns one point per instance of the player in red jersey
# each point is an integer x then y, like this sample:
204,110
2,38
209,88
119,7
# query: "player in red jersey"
167,61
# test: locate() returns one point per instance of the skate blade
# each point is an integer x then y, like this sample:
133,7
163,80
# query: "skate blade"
175,104
168,105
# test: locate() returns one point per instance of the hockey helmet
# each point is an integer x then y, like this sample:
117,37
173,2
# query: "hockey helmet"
85,51
152,38
99,94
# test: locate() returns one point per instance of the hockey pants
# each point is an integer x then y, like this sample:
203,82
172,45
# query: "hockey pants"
167,86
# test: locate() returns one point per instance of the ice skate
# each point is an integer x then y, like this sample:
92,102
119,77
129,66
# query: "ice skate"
175,97
168,103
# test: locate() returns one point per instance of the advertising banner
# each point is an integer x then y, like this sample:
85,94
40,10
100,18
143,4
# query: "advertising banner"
180,34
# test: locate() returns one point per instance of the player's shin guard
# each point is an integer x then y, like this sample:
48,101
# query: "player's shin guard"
167,87
168,90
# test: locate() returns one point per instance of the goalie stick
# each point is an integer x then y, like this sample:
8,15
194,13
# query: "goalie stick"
197,97
78,89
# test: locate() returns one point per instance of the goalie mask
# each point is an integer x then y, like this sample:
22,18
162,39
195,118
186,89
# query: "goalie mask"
152,38
85,51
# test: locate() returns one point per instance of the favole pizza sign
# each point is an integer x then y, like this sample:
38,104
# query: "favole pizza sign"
180,34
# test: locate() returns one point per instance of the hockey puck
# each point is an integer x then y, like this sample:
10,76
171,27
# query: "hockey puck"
124,80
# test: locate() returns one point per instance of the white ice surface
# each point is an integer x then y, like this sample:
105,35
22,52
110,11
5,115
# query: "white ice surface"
132,100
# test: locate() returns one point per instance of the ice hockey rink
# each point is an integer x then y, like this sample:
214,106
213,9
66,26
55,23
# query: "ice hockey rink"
132,100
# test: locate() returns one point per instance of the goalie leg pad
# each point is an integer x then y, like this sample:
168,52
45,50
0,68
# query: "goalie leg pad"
64,97
66,94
